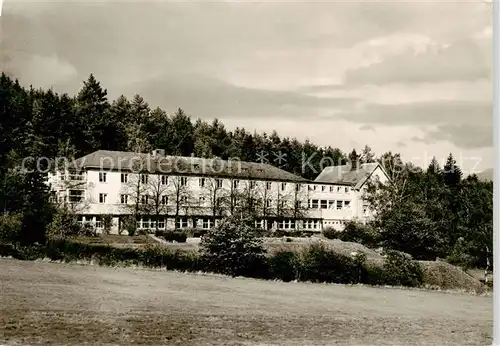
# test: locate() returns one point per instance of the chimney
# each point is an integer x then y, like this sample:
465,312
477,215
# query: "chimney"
353,158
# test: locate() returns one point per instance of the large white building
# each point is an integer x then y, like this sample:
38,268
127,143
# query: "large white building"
186,192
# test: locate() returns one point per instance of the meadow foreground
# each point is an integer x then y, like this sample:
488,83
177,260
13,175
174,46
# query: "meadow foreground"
78,304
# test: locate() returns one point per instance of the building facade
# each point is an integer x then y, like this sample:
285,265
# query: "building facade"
168,192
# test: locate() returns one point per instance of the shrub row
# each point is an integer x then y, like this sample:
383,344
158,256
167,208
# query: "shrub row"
294,233
152,256
317,263
355,232
171,236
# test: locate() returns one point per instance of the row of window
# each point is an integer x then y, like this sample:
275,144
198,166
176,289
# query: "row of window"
181,223
202,182
207,223
331,188
336,222
328,204
144,199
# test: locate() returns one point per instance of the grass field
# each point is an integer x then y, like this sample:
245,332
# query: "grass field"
75,304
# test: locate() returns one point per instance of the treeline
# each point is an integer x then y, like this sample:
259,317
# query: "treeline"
432,213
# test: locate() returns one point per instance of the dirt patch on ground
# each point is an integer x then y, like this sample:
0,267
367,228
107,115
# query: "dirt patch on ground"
73,304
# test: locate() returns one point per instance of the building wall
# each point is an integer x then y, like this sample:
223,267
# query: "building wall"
334,204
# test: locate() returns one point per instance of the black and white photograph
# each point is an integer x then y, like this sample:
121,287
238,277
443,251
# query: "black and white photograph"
247,172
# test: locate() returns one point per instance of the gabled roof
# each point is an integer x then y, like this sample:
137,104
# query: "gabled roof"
344,174
181,165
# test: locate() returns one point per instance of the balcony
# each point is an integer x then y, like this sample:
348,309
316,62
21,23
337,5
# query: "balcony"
76,196
76,177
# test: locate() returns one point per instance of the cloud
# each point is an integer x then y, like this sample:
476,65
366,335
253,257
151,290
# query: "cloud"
208,97
462,136
367,128
466,124
461,61
422,113
406,65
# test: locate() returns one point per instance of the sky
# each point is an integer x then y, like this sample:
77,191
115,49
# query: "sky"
409,77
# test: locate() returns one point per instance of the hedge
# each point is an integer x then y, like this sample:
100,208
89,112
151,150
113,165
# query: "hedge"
316,263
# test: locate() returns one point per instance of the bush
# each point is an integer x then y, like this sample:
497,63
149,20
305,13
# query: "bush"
64,224
331,233
234,249
359,233
293,233
130,225
107,222
171,236
322,264
284,265
400,269
10,226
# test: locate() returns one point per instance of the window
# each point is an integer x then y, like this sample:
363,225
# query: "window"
144,199
236,183
184,181
331,204
314,204
161,223
331,188
268,186
286,224
338,188
268,203
102,177
346,190
218,183
102,197
323,188
124,178
164,200
339,205
297,187
202,182
164,179
260,224
206,224
201,200
144,179
324,204
298,204
252,184
76,195
218,201
182,223
98,224
283,186
123,199
184,200
311,224
347,203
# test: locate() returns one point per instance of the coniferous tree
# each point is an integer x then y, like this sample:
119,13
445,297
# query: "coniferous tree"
452,174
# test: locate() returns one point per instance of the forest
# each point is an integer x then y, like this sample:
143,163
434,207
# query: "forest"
429,212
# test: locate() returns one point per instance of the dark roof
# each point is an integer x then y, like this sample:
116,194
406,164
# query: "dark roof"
181,165
344,174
